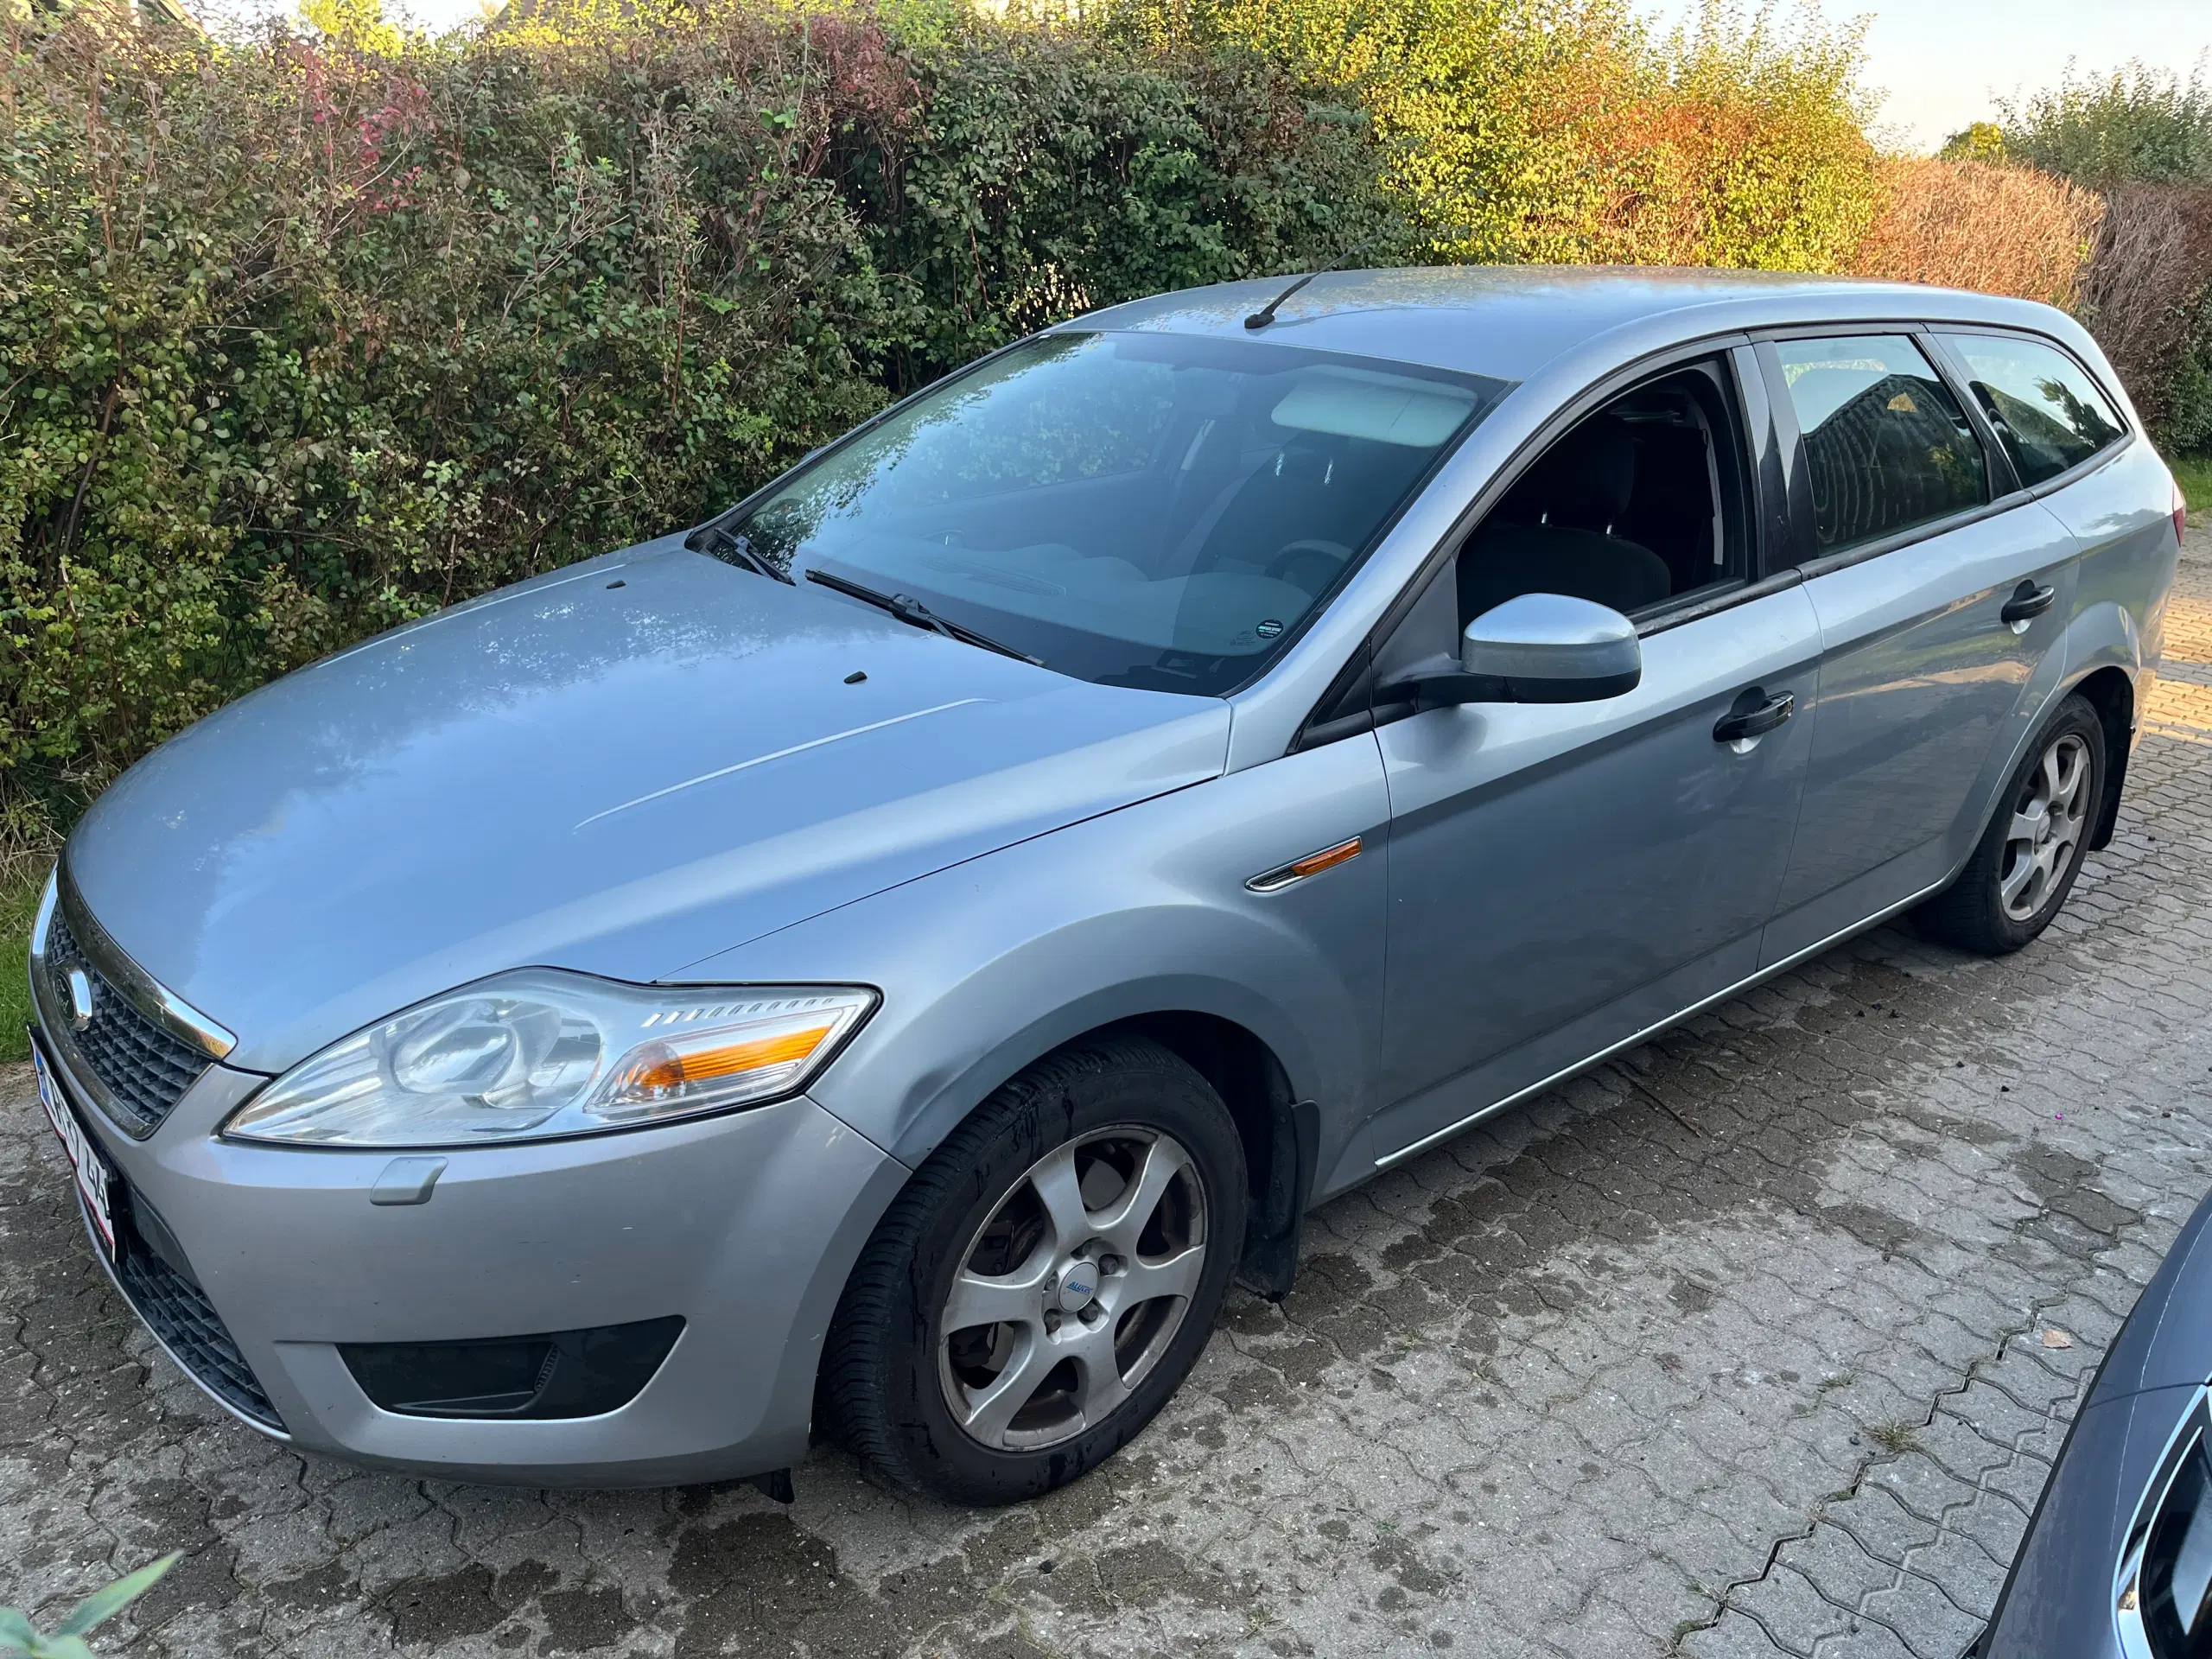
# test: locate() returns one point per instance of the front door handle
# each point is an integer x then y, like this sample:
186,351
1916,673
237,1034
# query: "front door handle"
2028,601
1741,723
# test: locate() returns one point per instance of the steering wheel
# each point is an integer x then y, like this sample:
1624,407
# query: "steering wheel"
1308,549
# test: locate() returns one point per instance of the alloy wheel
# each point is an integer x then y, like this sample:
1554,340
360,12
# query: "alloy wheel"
2048,824
1072,1288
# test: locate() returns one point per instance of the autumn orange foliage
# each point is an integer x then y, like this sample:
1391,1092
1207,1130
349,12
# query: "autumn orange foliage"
1998,229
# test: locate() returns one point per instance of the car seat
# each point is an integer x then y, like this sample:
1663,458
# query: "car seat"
1554,533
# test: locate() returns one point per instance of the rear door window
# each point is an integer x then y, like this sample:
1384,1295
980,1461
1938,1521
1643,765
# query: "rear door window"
2049,414
1886,445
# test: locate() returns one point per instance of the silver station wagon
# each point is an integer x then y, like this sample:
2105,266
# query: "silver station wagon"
880,964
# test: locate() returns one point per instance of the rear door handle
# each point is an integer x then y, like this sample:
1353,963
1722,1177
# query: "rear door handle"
1739,722
2028,601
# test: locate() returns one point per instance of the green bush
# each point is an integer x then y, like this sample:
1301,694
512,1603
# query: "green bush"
301,338
308,334
1062,172
2135,125
2143,138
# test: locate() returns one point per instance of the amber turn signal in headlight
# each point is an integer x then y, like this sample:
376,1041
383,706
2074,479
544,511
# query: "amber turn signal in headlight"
761,1056
539,1053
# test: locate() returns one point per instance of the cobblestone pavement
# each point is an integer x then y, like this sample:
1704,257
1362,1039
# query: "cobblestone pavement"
1760,1339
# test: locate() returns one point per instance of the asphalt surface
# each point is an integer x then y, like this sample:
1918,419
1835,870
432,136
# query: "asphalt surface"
1758,1340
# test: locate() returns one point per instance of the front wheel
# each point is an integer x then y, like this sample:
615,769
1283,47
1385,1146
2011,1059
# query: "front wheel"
1045,1281
2024,866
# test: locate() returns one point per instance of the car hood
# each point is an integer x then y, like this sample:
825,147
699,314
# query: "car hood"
624,768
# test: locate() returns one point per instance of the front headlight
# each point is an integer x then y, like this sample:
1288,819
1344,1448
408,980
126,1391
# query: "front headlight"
538,1053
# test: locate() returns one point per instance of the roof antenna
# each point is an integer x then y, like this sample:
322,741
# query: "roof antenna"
1266,314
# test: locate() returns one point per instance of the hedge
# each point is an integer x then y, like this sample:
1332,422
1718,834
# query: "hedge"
1967,224
300,340
307,334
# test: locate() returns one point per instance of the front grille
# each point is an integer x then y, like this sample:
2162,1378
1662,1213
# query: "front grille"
178,1311
144,1069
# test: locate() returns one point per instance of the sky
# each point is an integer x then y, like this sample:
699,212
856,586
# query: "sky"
1944,63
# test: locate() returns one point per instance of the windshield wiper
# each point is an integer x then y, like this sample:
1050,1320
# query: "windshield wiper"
909,609
732,548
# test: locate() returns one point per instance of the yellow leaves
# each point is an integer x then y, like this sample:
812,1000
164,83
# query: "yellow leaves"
357,24
1559,130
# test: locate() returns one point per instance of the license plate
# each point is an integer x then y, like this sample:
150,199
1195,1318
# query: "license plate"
89,1163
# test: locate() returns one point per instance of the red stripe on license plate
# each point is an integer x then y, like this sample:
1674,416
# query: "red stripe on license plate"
84,1158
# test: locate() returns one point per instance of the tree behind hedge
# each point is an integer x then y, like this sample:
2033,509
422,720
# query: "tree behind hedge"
2143,137
2135,125
1562,130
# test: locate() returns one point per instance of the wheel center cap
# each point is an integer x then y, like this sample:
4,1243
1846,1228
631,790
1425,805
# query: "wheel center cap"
1077,1285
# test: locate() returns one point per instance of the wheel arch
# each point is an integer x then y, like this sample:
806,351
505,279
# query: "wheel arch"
2111,691
1279,1131
1139,921
1279,1134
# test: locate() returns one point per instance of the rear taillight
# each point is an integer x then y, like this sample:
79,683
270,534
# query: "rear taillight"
2181,515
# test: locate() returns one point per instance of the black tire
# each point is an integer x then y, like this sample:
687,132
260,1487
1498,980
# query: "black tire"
1973,913
889,1379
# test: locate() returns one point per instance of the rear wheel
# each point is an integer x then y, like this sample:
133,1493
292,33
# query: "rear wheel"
1045,1281
2024,866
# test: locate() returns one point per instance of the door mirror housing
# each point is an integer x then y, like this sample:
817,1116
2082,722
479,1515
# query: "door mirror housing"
1538,648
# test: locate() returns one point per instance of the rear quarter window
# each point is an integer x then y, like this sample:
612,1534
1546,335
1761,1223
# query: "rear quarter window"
2049,414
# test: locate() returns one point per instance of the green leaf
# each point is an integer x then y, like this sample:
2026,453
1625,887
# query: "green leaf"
16,1633
104,1604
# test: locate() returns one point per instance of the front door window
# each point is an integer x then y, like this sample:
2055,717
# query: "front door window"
1637,506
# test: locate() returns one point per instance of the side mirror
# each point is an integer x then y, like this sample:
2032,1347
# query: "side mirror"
1539,648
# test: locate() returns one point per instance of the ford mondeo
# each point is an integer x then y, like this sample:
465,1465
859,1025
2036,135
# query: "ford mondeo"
880,964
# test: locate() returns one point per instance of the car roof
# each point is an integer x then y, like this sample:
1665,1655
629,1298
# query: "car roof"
1509,321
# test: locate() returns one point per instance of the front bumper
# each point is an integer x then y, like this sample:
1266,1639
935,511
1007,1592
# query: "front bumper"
745,1225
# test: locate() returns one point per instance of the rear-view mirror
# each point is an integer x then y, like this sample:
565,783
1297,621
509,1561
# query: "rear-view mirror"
1540,648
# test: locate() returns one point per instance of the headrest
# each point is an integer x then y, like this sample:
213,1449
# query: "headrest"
1586,480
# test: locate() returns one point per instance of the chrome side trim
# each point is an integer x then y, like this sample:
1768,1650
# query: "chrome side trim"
44,919
1653,1030
139,988
1303,869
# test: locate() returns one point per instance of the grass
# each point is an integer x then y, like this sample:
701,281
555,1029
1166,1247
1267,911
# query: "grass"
24,879
1897,1436
2194,474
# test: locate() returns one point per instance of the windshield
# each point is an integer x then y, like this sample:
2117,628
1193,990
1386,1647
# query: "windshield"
1158,510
